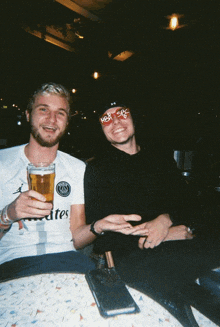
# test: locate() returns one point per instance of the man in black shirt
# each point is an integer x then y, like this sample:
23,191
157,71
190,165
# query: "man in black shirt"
138,207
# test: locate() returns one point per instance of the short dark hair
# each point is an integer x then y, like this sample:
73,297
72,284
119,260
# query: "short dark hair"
113,104
50,88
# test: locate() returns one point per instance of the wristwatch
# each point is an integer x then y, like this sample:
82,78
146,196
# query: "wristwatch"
92,229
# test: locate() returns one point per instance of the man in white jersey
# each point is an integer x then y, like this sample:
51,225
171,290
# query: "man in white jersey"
36,237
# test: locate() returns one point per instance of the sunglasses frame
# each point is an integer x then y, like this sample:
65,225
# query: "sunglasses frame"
107,118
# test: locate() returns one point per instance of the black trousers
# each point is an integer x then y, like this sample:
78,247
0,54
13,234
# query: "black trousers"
170,266
66,262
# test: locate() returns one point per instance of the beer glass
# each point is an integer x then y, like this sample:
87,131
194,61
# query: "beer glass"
41,179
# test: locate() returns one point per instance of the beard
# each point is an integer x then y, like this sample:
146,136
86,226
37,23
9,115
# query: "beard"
49,143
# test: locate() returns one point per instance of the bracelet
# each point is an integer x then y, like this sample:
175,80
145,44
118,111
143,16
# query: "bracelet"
92,229
4,231
4,219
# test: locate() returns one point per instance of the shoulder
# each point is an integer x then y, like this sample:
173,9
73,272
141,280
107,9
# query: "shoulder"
10,155
69,161
100,170
159,155
99,163
94,168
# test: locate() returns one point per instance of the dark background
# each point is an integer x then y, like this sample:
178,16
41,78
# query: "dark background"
172,79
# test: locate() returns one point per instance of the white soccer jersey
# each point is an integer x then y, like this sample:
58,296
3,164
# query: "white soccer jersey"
52,233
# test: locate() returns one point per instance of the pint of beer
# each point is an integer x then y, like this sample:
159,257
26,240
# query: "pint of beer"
41,179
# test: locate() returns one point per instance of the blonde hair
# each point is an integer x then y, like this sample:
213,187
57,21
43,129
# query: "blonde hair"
50,88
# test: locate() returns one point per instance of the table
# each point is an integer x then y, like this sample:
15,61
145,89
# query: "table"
65,300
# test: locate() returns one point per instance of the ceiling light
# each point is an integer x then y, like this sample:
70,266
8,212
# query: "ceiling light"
78,35
174,22
123,55
95,75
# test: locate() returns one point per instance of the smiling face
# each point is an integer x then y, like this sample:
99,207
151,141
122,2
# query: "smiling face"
119,129
48,119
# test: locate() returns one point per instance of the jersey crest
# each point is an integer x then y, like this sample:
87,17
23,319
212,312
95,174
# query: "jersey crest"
63,189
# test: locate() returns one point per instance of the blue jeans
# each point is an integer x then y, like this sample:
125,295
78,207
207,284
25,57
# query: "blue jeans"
65,262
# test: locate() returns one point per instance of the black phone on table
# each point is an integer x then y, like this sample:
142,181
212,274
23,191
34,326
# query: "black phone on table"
110,292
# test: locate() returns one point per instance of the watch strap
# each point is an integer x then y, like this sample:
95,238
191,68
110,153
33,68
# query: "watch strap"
92,229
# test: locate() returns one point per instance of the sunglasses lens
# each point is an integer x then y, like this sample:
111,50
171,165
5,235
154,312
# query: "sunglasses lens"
106,119
121,113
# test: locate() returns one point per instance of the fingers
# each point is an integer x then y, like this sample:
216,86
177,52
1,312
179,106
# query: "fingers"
36,204
150,244
126,231
36,195
141,242
132,217
112,223
126,228
144,243
37,208
141,230
121,220
29,204
119,223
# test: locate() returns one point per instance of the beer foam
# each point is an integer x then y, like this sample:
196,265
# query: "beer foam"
41,172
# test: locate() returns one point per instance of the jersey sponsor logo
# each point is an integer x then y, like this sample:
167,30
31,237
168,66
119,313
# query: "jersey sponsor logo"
63,189
57,214
54,215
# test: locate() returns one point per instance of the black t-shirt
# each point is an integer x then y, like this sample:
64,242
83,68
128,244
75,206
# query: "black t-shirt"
147,183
